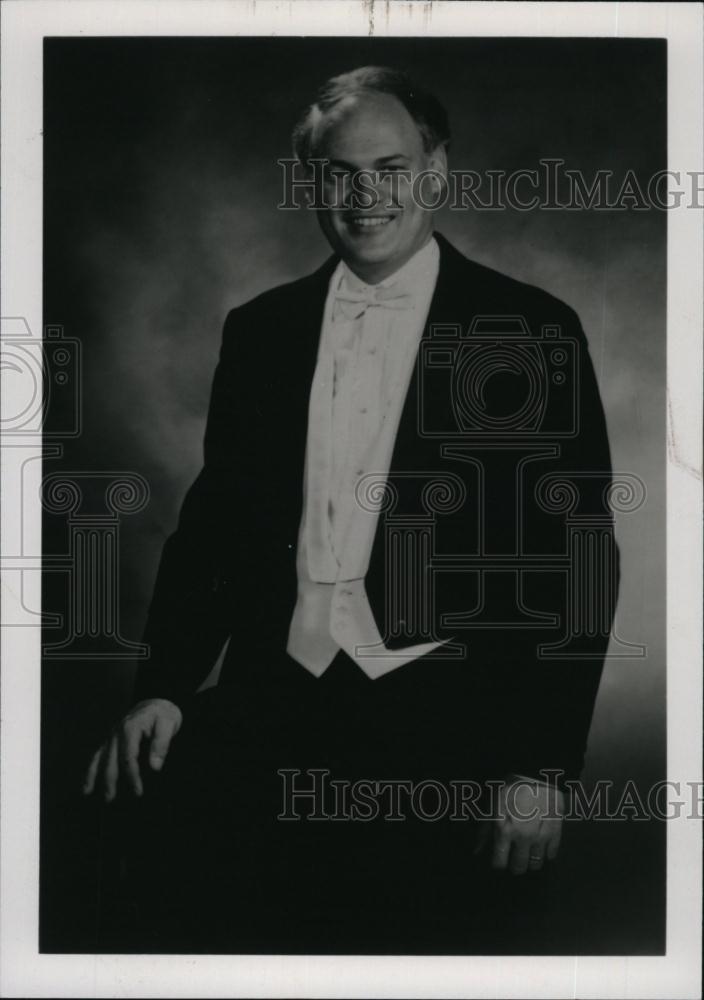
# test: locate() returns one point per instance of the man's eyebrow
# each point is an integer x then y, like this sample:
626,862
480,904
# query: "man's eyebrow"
344,164
377,163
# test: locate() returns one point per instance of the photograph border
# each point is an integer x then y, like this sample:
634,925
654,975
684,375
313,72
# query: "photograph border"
27,973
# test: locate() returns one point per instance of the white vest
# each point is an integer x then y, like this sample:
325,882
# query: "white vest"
368,347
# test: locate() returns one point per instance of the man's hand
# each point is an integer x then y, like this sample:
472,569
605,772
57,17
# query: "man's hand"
528,825
156,720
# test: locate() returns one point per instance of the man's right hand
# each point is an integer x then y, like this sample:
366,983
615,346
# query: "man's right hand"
156,720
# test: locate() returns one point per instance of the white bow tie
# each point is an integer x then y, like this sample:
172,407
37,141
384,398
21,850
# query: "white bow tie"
353,304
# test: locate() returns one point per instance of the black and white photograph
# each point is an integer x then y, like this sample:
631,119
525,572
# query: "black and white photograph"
353,493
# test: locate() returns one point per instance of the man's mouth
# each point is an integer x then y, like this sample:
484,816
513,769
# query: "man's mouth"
368,222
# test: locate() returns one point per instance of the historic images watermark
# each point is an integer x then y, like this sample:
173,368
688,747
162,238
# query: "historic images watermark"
549,186
314,794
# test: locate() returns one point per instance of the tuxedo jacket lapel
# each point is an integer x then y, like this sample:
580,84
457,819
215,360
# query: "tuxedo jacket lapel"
289,392
449,305
416,457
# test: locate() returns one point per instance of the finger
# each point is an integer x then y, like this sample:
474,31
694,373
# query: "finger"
161,741
111,772
520,854
554,842
502,847
536,856
92,772
130,739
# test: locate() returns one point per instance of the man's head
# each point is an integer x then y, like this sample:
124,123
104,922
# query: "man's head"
374,120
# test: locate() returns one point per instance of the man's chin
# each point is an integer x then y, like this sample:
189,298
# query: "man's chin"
374,257
370,254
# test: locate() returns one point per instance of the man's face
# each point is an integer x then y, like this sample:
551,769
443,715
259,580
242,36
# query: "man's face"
374,133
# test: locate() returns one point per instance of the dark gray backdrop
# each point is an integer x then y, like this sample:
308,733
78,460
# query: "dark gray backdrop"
161,187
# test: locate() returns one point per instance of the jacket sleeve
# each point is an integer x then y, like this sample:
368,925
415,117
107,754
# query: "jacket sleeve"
553,679
188,621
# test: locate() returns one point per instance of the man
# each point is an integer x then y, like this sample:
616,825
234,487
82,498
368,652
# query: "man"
380,533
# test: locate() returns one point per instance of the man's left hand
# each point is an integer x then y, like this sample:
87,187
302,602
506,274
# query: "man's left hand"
528,825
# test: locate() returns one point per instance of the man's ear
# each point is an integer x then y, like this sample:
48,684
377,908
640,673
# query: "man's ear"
312,176
307,176
437,161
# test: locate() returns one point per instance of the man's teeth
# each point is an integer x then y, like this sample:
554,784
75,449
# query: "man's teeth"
375,221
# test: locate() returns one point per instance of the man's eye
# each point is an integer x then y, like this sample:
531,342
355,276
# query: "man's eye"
338,180
387,171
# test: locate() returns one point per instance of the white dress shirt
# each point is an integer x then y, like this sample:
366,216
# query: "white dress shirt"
368,346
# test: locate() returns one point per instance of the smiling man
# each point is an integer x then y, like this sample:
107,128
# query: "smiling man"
366,135
379,533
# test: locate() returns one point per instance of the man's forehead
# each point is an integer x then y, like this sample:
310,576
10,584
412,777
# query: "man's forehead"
368,122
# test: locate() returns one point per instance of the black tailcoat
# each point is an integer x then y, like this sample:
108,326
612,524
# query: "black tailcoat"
493,574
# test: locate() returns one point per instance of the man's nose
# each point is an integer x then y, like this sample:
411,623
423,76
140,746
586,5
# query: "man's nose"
367,191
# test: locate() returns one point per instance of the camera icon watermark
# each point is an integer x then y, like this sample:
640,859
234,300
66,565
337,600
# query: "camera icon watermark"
42,409
45,377
471,369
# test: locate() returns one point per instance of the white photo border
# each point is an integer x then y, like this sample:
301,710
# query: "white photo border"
25,972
